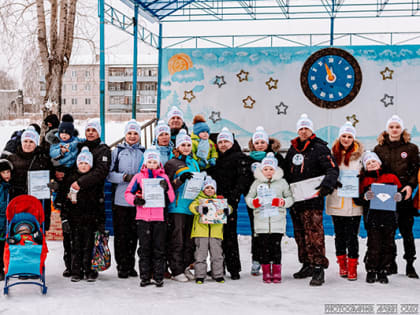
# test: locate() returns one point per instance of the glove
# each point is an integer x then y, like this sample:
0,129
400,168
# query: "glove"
202,164
324,190
127,177
212,162
397,197
205,210
164,185
226,211
185,176
256,203
53,185
139,201
66,226
277,202
369,195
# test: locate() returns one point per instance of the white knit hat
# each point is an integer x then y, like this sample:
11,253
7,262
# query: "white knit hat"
30,134
175,111
370,156
347,128
395,119
182,137
225,134
151,154
162,127
85,156
259,134
269,160
304,122
209,182
132,125
95,124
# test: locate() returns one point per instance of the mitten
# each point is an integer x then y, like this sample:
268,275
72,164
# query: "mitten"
139,201
369,195
205,210
185,176
164,185
127,177
397,197
277,202
212,162
256,203
202,164
65,226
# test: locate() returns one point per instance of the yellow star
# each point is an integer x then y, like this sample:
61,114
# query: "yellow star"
272,84
248,102
387,73
242,76
188,96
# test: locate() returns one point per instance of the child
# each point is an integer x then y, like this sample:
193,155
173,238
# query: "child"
6,168
151,225
163,141
25,233
80,215
380,224
207,237
269,228
203,149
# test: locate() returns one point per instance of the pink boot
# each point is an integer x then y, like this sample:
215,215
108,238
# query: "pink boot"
276,273
266,269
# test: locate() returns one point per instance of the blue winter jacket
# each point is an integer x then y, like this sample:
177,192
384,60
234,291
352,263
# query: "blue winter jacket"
69,158
174,168
4,198
129,159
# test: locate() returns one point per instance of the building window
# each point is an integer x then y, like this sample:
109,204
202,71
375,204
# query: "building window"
87,101
74,101
73,73
63,101
87,87
64,87
87,73
74,87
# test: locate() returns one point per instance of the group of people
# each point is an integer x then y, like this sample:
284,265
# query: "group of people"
173,240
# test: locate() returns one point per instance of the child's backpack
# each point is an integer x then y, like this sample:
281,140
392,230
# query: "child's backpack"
101,256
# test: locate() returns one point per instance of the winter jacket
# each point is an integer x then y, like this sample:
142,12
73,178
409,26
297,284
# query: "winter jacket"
165,152
275,224
341,206
136,184
12,144
4,198
204,230
67,159
174,168
125,160
212,149
317,161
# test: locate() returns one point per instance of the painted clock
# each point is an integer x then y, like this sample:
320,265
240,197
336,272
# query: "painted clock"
331,78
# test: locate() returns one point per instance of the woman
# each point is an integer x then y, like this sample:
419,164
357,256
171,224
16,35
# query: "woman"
400,157
346,216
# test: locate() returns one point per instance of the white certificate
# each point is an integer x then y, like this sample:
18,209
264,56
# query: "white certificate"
153,193
193,186
350,182
305,189
266,195
37,184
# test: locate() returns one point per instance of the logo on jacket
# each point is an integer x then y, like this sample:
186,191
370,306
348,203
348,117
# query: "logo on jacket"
404,155
297,159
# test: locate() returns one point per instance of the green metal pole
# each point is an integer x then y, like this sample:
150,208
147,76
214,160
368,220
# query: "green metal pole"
102,66
133,108
159,72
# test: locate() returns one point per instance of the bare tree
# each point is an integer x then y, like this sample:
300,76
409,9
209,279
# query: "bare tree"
6,82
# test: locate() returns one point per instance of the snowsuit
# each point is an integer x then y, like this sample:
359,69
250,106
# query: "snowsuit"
212,154
307,215
68,159
125,160
346,215
181,247
4,198
269,231
151,226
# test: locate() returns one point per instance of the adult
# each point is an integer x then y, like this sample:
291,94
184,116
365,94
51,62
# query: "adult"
125,162
230,174
346,215
400,157
176,122
163,141
309,157
29,157
14,142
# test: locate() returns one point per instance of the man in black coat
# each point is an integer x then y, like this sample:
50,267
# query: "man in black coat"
309,157
176,122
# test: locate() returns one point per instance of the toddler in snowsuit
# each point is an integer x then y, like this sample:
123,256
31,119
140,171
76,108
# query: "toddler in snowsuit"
5,176
151,223
207,237
269,227
203,149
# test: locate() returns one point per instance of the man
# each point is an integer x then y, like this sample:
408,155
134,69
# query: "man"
176,122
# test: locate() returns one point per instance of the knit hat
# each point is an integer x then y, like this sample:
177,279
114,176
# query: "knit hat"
132,125
347,128
30,134
370,156
304,122
395,119
66,125
199,125
5,165
151,154
175,111
259,134
182,137
209,182
53,120
24,226
85,156
95,124
225,134
269,160
162,127
37,128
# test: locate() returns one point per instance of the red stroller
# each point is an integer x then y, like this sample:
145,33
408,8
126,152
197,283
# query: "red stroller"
26,248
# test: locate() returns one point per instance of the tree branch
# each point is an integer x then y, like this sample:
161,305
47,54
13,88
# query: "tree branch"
42,36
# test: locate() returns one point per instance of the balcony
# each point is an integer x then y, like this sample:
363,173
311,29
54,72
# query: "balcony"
129,78
130,92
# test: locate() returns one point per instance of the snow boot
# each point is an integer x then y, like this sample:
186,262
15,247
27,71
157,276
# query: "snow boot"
75,278
410,271
371,276
67,273
392,268
199,280
382,278
266,269
276,275
352,269
158,283
220,280
304,272
342,263
255,268
145,282
122,274
318,277
235,276
133,273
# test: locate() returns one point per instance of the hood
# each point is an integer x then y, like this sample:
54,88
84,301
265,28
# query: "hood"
384,137
278,174
273,145
52,136
356,154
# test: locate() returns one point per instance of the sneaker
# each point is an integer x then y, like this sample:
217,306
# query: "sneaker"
145,282
122,274
235,276
180,278
75,278
199,280
67,273
255,268
318,277
189,274
133,273
220,280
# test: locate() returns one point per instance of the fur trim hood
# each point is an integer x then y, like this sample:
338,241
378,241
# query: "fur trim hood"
355,155
278,174
273,145
383,137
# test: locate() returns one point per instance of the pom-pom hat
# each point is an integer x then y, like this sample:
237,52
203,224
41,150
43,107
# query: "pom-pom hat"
66,125
182,137
269,160
151,154
209,182
225,134
85,156
199,125
95,124
259,134
395,119
369,155
304,122
347,128
175,111
162,127
30,134
132,125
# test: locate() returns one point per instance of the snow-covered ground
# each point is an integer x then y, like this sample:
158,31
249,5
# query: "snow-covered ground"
249,295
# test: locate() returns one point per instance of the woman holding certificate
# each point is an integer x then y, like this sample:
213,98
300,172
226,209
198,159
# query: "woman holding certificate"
346,215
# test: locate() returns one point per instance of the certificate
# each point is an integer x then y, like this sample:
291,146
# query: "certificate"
37,184
350,182
266,195
305,189
193,186
153,193
216,211
384,197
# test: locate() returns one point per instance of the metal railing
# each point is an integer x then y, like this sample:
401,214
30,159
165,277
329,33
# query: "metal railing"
147,134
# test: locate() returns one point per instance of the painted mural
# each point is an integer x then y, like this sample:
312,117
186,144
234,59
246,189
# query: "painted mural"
242,88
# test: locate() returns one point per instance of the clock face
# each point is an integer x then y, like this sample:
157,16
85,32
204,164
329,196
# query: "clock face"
331,78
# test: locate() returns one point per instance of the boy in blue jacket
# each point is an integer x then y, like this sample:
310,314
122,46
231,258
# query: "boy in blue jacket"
5,176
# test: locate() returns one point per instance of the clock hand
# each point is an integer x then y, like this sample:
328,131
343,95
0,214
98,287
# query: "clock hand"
330,74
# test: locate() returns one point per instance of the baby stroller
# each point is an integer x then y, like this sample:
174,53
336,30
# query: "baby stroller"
26,249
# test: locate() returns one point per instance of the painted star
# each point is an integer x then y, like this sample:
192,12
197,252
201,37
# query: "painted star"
248,102
220,80
272,84
387,100
353,119
282,108
387,73
215,117
188,96
242,76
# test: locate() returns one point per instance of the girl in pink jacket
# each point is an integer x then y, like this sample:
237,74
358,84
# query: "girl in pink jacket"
151,221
